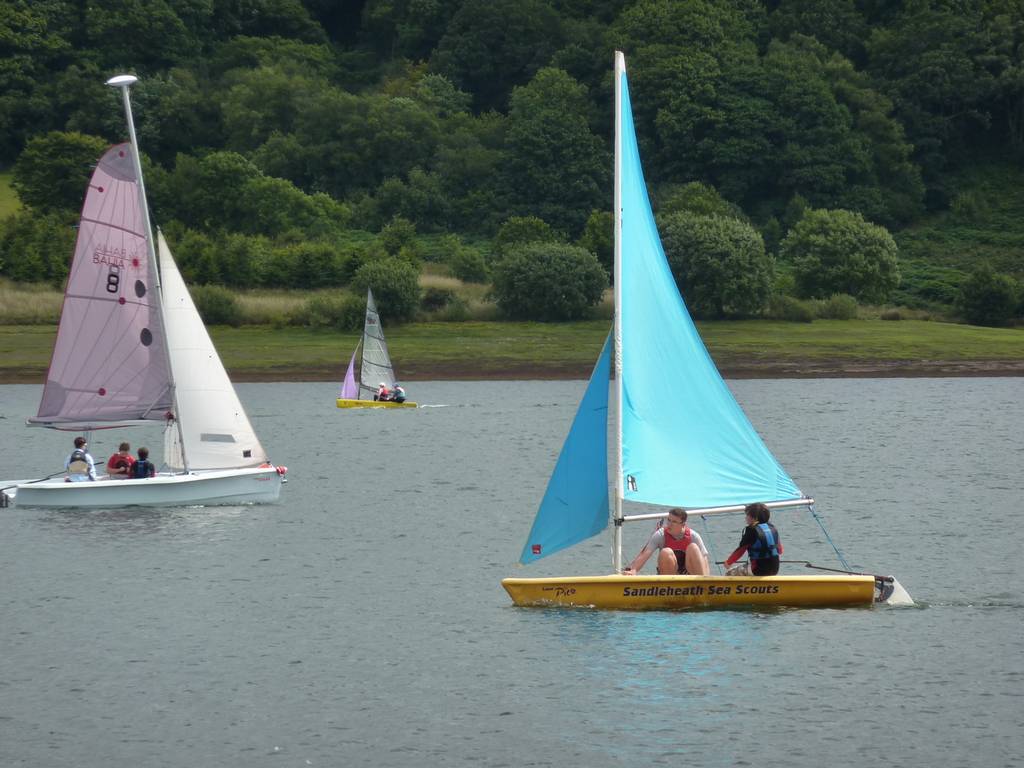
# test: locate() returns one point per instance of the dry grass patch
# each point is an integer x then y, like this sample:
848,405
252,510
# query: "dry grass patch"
29,303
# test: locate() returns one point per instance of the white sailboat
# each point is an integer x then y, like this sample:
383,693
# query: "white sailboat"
375,368
132,349
696,450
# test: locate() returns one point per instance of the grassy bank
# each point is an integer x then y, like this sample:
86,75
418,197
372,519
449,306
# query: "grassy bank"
477,350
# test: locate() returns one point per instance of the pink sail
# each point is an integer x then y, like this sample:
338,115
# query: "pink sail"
349,390
109,363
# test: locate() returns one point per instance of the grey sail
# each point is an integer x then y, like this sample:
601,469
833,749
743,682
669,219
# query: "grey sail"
376,367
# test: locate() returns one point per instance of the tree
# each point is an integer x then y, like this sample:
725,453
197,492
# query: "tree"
598,237
839,252
395,286
557,169
520,230
719,264
988,298
549,282
490,46
53,171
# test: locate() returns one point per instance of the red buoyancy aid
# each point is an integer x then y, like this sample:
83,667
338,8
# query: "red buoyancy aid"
679,545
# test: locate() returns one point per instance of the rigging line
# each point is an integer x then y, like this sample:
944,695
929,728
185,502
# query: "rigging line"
821,524
707,538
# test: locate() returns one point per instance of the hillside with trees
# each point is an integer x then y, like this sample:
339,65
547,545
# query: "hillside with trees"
796,151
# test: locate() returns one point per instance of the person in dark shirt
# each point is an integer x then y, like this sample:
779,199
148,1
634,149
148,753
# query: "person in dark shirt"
761,543
143,468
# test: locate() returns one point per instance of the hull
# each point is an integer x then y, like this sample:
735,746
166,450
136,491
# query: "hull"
258,485
674,592
348,403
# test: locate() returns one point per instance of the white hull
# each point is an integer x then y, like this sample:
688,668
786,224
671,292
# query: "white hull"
256,485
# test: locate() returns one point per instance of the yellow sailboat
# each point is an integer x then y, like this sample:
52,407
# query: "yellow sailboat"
696,450
375,367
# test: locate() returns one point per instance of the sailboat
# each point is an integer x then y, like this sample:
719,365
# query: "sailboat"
697,450
131,349
375,367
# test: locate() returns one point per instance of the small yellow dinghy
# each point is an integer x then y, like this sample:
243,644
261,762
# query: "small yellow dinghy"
350,403
673,592
375,369
676,438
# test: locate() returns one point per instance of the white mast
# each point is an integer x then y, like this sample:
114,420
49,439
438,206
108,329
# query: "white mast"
620,73
124,82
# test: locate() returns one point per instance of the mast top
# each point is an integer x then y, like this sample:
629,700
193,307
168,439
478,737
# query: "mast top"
122,81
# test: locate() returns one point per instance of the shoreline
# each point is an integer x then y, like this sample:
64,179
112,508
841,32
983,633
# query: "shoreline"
504,371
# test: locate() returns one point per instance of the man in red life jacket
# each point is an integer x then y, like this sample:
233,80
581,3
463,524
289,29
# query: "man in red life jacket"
680,549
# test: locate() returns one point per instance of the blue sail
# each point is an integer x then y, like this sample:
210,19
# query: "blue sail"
575,505
686,441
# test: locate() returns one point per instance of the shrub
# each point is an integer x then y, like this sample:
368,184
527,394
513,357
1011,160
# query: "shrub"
344,312
891,314
522,230
468,265
435,298
395,286
719,264
839,252
216,305
782,307
548,281
839,306
988,298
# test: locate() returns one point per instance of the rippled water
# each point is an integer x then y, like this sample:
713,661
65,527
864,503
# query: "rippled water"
360,621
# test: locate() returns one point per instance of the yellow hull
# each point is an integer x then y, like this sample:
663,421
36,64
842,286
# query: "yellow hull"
671,592
345,403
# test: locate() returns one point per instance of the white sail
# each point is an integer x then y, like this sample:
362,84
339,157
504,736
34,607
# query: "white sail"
376,368
214,426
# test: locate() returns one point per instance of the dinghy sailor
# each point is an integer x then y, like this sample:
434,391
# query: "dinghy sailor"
760,541
680,549
79,463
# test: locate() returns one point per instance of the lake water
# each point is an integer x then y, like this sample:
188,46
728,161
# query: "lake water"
360,621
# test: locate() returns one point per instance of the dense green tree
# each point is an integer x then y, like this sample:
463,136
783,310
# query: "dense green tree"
520,230
719,264
838,24
490,46
549,282
37,248
420,200
697,198
395,285
54,170
558,170
839,252
598,237
989,298
409,28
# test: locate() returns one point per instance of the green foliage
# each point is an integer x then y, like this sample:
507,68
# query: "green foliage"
989,298
520,230
598,237
395,286
697,198
790,309
53,171
839,252
343,312
467,263
399,233
548,282
216,305
37,248
719,264
839,306
435,298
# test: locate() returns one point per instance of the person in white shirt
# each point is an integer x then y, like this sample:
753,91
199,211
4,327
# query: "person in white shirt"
680,549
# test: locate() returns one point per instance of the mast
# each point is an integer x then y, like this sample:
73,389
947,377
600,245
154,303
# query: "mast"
620,73
124,82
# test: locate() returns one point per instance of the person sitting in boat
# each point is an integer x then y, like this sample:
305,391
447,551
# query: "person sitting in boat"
79,464
143,467
680,549
382,393
120,464
398,394
761,543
